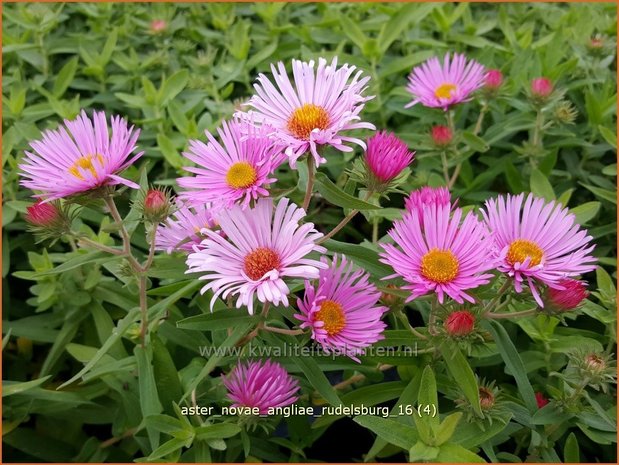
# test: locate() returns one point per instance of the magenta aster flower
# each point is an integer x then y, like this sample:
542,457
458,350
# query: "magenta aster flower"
264,246
186,228
537,241
444,256
237,171
322,104
342,309
261,384
441,86
387,156
80,156
427,196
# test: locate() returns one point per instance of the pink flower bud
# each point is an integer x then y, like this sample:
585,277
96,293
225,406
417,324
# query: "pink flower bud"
541,87
43,214
594,363
540,399
569,298
441,136
387,156
158,25
156,205
494,79
459,323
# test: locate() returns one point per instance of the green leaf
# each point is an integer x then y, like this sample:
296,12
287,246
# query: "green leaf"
605,194
338,197
475,142
540,185
447,427
422,452
571,451
352,31
390,430
462,374
514,363
149,401
164,424
362,256
65,77
608,135
218,431
393,29
10,388
217,320
172,86
586,211
169,447
169,152
453,453
165,372
317,379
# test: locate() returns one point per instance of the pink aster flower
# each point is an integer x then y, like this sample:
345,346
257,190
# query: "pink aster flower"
386,156
186,228
237,171
342,309
80,156
264,245
537,241
427,196
441,86
315,111
445,256
261,384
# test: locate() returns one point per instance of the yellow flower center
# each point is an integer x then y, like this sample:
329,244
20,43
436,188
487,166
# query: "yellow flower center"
332,315
85,163
521,249
307,118
241,175
445,91
440,266
259,262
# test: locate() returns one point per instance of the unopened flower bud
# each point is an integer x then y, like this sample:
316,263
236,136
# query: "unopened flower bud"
158,25
386,157
595,44
541,88
486,398
494,80
156,205
441,136
570,297
43,214
594,363
459,323
391,300
541,400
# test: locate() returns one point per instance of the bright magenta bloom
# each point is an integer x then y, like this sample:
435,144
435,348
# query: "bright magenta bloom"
264,246
261,384
427,196
342,309
386,156
444,256
315,111
186,228
80,156
237,171
441,86
537,241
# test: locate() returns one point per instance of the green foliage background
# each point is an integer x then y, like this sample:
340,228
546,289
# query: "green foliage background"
61,307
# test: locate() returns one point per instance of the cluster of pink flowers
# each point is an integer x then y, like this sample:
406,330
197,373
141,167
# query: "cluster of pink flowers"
247,245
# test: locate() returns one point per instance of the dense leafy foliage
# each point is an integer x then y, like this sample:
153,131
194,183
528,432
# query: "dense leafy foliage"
79,386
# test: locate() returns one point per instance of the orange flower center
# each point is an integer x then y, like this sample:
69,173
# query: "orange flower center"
332,315
445,90
259,262
85,163
440,266
307,118
521,249
241,175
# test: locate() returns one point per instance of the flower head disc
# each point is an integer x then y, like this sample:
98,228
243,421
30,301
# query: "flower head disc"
521,250
445,91
307,118
259,262
332,315
440,266
241,175
86,163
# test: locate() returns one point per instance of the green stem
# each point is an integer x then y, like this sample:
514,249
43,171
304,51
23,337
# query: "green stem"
537,130
445,167
290,332
498,316
343,223
432,320
502,290
480,118
375,230
402,316
310,182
